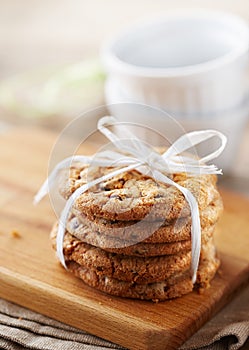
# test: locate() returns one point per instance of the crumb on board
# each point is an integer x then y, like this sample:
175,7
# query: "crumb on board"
155,301
15,234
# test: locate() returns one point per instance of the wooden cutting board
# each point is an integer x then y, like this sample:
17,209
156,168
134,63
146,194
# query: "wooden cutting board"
31,276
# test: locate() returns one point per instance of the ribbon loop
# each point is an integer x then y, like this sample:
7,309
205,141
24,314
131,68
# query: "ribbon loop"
194,138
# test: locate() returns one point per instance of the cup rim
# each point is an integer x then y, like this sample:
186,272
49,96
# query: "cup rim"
113,63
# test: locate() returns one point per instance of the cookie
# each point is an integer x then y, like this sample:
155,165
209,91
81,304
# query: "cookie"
155,291
206,272
114,245
159,291
134,196
116,233
128,268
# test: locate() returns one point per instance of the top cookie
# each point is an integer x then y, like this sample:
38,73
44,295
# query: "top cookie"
134,196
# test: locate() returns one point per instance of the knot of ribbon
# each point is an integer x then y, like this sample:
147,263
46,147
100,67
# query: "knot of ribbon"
132,153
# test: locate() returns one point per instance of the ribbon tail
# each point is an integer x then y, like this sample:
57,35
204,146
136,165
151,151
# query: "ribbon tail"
195,231
43,191
196,225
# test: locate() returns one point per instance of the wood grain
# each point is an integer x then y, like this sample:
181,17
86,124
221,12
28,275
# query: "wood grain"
31,276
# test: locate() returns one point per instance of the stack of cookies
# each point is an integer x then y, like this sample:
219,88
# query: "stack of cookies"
130,236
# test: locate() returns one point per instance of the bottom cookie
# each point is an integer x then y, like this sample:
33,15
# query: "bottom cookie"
159,291
155,291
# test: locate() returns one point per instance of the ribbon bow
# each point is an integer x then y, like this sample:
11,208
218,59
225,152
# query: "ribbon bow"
131,154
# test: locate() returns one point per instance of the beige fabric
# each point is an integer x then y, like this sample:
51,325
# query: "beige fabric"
229,329
23,329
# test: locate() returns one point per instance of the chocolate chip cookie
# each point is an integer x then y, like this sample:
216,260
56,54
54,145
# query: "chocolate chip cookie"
134,196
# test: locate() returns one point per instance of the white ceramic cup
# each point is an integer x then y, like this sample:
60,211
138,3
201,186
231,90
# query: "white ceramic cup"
192,64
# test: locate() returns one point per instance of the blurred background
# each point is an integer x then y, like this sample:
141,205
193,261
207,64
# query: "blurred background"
50,69
51,32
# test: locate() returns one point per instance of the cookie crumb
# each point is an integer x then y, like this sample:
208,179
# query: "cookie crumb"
156,301
15,234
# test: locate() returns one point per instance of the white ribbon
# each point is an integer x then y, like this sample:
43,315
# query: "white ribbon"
132,153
